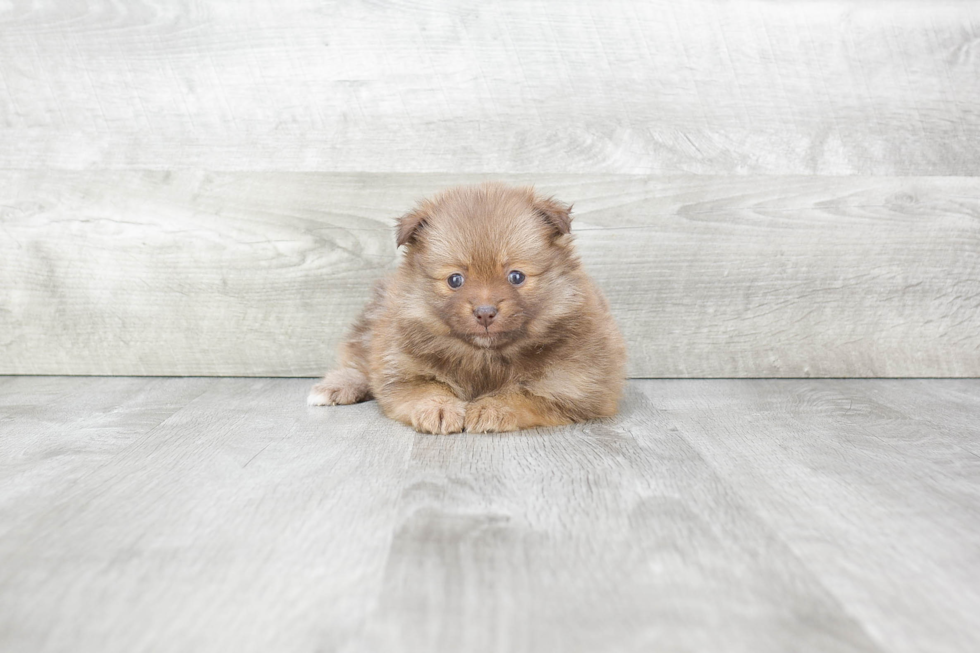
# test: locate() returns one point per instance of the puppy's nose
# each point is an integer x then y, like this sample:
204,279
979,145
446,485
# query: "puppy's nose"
485,314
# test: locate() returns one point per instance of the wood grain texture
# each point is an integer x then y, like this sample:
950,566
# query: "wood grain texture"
192,514
819,458
261,273
514,87
726,515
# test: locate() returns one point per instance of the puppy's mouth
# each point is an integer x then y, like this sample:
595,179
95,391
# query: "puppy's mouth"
487,338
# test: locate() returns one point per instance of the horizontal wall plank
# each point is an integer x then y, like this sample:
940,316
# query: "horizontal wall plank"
660,87
197,273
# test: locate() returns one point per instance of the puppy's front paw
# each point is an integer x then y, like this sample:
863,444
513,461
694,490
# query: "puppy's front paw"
344,386
439,415
490,414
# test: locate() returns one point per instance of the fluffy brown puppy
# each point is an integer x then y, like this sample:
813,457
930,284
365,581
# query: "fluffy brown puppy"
488,324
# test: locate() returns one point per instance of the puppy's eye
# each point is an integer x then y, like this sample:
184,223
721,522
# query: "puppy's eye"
516,277
455,280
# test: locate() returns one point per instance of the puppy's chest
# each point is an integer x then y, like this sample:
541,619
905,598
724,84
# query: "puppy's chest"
488,373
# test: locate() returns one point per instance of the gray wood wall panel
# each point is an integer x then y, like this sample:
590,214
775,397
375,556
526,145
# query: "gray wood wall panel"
193,273
528,86
206,187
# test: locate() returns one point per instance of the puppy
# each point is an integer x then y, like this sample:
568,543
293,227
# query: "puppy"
488,324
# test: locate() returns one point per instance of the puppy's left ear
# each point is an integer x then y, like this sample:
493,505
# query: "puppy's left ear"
557,214
410,224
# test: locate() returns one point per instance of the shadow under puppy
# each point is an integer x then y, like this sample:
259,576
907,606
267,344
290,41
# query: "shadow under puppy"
488,324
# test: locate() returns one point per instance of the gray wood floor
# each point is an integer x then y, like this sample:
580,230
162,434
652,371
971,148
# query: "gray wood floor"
150,514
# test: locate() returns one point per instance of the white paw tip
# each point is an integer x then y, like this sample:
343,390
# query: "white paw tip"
316,399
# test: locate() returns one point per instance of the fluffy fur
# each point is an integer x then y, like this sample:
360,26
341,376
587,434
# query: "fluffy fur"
550,355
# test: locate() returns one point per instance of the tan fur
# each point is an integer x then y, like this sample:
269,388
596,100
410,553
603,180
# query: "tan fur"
552,354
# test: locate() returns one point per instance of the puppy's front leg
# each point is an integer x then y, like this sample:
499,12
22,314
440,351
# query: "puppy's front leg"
512,411
346,385
427,406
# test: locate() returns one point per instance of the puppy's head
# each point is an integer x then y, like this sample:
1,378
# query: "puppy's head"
490,264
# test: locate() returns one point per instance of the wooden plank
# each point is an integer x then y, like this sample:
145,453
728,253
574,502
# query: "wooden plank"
604,537
190,273
948,408
248,522
883,506
57,430
523,87
726,515
243,522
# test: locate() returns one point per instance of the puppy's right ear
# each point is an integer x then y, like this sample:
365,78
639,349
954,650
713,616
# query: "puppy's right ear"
410,224
555,213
